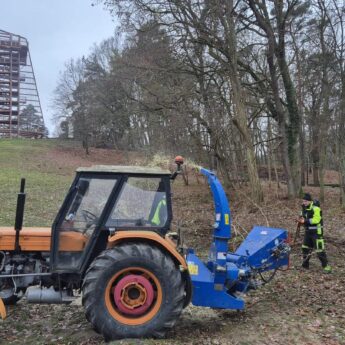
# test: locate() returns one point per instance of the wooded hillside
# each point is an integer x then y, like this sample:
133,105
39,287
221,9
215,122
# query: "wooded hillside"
243,86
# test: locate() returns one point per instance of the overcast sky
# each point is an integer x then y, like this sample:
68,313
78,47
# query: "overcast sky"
57,30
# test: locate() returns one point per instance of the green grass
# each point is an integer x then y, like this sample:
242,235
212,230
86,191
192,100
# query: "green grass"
45,187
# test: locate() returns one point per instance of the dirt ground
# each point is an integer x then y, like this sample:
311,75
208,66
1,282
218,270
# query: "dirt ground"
297,307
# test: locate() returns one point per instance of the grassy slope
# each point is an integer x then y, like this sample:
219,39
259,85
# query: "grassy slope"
45,184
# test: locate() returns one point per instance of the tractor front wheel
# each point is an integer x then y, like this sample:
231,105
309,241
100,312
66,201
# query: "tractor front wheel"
134,290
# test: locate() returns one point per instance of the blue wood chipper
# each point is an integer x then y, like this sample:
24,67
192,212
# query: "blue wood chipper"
218,282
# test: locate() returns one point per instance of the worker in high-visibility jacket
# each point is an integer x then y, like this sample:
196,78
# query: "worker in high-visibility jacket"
311,218
160,215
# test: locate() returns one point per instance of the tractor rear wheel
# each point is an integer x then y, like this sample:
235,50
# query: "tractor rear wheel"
133,290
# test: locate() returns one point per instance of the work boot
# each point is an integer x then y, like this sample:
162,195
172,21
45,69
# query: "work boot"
327,269
306,257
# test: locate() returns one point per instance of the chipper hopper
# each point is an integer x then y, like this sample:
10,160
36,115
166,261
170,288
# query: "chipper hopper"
111,241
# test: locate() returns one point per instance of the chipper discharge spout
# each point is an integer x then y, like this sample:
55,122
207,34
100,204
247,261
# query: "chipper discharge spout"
219,282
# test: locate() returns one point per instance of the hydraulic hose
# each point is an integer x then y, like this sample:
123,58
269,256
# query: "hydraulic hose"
2,262
266,281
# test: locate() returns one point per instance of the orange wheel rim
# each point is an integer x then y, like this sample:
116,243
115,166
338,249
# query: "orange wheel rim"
134,294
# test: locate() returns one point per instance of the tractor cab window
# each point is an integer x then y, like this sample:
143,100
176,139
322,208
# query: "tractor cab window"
141,203
81,218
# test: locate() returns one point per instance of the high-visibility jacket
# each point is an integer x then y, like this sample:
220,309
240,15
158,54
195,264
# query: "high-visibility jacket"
313,219
156,219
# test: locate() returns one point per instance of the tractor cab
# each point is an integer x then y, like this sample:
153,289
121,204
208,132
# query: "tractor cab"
103,200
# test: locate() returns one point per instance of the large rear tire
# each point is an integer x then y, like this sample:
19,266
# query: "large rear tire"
134,290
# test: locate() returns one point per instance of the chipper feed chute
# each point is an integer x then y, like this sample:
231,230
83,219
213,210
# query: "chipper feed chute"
261,249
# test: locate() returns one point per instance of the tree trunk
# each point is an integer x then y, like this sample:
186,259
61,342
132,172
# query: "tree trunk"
289,124
269,151
293,128
300,106
316,164
341,146
281,118
240,118
240,122
85,144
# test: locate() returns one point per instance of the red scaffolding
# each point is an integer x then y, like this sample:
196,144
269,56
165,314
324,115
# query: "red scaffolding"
20,106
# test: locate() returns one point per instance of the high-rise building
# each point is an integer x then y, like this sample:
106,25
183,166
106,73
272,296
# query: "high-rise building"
20,107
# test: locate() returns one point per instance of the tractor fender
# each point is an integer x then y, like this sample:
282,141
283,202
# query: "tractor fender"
165,243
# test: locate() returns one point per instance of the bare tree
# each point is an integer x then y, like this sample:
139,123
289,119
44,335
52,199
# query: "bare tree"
211,24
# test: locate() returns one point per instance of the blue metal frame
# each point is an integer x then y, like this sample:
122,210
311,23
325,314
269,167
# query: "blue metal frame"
217,283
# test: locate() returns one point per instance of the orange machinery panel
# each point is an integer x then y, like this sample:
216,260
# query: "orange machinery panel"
39,239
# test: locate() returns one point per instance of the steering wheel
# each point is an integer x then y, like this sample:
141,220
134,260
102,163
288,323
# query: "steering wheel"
140,222
90,219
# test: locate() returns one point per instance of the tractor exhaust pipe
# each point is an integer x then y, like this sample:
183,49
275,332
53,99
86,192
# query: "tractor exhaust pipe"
19,213
48,296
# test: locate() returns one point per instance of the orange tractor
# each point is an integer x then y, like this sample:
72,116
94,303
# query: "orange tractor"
108,240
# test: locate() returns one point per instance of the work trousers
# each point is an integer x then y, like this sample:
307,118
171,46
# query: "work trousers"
313,241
